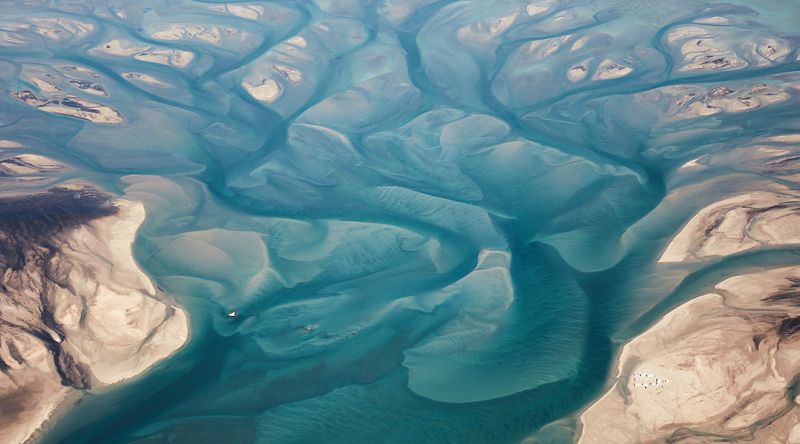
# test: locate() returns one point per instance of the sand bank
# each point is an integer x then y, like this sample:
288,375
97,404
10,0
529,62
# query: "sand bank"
737,224
72,106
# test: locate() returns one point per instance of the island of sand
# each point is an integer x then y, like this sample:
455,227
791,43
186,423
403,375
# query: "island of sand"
76,313
736,224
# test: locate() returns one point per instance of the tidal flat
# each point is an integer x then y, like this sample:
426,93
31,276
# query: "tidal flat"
399,221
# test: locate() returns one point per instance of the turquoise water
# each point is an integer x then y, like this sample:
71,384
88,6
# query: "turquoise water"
429,232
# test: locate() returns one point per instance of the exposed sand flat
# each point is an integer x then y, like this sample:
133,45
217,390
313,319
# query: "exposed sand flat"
62,28
74,69
120,48
704,50
267,90
696,102
251,12
174,57
45,86
715,20
72,106
82,317
30,390
124,329
737,224
291,74
186,31
90,111
579,44
700,55
502,24
772,151
53,83
718,365
537,8
578,72
11,38
146,53
297,41
694,163
685,32
12,167
145,78
40,162
542,49
4,143
29,164
610,70
485,29
88,87
769,52
784,138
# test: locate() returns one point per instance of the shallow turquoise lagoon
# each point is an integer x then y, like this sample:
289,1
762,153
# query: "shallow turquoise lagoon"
436,221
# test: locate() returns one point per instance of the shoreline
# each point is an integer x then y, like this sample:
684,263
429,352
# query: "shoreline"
59,408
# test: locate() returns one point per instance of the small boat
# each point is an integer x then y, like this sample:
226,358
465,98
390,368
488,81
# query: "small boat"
232,314
308,327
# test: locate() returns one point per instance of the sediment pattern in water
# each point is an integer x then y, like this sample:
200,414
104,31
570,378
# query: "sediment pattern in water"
434,220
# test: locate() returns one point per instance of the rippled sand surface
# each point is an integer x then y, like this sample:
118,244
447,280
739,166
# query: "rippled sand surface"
418,221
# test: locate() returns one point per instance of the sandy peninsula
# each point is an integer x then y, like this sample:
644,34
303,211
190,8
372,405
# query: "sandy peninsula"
719,368
76,312
72,106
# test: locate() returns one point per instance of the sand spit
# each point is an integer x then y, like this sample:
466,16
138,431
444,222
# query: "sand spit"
737,224
72,106
76,312
717,368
